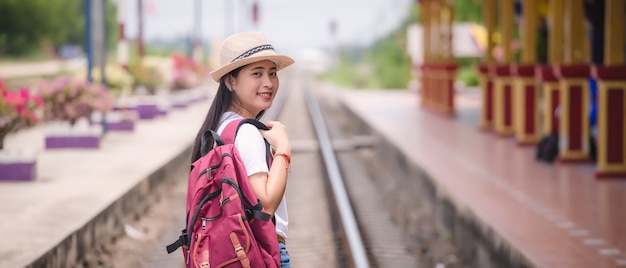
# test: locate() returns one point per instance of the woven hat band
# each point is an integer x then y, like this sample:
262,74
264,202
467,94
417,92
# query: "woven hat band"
252,51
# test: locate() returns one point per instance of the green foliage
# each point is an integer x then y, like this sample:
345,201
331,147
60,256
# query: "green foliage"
28,26
383,65
148,77
467,11
469,75
111,26
350,74
391,64
467,71
386,63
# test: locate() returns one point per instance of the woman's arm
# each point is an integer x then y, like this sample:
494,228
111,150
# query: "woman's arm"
269,186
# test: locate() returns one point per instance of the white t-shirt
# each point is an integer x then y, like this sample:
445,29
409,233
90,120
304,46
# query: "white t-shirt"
251,147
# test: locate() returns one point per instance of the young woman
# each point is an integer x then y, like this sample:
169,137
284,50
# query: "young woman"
247,86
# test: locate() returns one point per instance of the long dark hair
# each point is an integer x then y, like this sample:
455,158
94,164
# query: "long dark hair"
221,103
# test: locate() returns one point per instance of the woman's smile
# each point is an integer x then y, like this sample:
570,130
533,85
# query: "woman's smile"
265,95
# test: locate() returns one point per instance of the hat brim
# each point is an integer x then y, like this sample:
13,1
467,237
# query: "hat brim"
280,60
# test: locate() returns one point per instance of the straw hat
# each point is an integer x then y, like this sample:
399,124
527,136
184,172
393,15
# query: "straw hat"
244,48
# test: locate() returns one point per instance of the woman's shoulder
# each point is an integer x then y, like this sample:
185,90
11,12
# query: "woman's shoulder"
226,118
250,131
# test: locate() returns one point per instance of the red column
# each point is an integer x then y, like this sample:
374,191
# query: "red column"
426,86
551,98
526,106
574,112
611,107
503,100
448,73
486,85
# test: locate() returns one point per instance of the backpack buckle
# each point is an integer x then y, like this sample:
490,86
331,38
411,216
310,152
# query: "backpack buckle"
208,173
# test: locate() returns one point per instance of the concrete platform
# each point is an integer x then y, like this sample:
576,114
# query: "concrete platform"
80,195
499,205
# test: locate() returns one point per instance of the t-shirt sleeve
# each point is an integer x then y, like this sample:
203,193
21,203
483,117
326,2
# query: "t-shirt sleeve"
251,147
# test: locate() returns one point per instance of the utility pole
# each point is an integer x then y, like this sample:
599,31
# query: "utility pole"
140,49
255,15
122,44
235,15
332,28
88,49
101,38
197,36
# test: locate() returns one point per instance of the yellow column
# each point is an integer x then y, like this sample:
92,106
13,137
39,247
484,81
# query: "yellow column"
434,39
614,33
611,127
506,27
575,50
529,32
447,68
503,96
574,87
486,76
551,89
436,45
526,92
555,39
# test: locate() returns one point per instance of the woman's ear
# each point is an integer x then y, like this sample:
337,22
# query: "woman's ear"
230,83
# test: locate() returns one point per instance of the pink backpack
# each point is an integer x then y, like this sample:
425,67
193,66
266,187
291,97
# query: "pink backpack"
226,223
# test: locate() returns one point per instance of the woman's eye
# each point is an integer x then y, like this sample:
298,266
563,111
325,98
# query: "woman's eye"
272,73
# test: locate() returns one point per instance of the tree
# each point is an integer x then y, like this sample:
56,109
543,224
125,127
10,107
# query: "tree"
467,11
28,26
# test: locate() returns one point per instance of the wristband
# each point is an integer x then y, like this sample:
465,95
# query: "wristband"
287,158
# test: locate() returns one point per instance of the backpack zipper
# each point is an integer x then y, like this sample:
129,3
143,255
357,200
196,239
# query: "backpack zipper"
199,207
214,166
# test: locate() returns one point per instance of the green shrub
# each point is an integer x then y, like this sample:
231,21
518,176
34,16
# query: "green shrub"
469,76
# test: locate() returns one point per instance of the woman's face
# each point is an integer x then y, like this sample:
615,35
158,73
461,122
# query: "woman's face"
255,88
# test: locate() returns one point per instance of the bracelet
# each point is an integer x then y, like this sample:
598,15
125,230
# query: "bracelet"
287,158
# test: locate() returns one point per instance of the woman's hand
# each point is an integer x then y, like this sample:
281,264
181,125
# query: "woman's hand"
277,137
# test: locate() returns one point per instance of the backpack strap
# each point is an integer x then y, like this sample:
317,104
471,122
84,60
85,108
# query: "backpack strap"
204,145
231,130
183,240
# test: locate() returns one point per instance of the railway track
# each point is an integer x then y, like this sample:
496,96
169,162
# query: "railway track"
335,215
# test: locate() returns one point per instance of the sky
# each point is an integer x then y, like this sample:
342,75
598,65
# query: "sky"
288,24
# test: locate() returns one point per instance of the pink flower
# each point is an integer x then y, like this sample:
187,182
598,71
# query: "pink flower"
38,101
24,93
17,109
71,99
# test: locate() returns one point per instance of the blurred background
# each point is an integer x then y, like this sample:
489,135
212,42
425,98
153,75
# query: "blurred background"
364,42
546,77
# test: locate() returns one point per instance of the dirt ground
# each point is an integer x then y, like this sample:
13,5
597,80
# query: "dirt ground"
430,245
143,244
144,239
